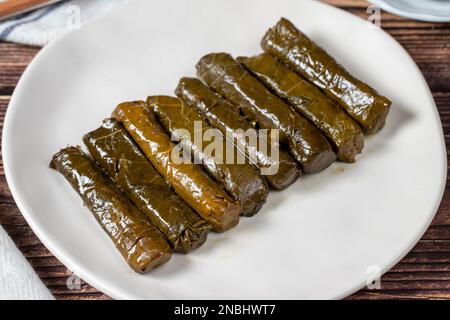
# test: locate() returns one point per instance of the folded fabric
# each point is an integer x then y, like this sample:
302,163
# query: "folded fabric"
18,281
43,25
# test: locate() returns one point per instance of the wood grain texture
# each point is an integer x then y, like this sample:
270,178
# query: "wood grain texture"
423,274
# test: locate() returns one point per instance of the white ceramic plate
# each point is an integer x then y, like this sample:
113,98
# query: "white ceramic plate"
426,10
321,238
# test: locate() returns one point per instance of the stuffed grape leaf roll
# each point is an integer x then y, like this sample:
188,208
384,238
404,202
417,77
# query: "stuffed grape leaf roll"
139,242
115,151
188,180
342,131
241,180
228,78
280,173
300,53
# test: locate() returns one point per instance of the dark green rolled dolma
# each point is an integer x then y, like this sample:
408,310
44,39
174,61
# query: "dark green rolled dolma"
241,180
221,114
300,53
188,180
115,151
228,78
342,131
139,242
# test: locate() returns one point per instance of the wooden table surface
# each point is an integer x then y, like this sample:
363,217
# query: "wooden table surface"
423,274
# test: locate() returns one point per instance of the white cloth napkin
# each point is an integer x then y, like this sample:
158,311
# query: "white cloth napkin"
18,281
42,26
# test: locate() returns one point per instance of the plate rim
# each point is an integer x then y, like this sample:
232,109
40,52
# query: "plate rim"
118,294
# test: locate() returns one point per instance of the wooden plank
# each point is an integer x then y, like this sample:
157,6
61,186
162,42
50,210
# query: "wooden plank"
11,8
416,276
432,54
83,296
13,61
346,4
420,267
